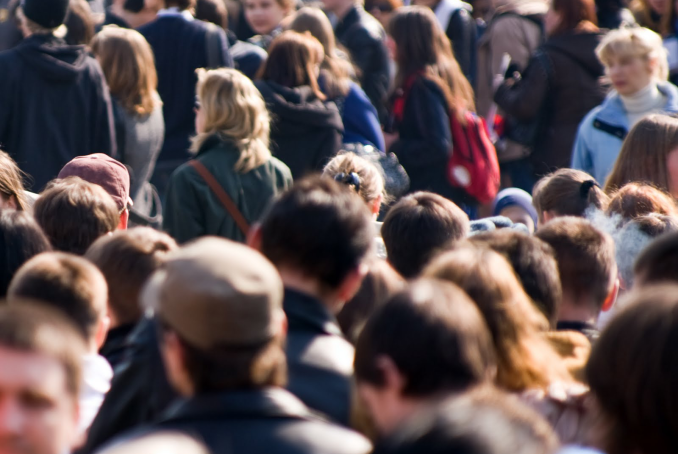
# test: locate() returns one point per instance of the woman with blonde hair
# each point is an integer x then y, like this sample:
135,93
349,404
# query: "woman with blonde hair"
232,161
360,118
649,155
129,67
12,193
636,63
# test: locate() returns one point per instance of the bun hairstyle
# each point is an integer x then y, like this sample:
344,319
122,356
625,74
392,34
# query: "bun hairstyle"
357,172
568,192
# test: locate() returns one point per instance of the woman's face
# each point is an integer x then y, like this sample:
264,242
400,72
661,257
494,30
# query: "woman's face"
672,170
264,15
199,118
658,6
630,74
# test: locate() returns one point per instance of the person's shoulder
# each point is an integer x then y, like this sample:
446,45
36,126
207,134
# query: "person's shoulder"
367,28
317,435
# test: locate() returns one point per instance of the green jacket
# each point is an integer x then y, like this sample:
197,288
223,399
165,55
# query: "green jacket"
193,210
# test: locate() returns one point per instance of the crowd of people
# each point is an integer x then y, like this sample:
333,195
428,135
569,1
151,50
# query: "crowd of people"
253,226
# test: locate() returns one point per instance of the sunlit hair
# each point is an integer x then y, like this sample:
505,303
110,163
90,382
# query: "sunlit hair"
639,199
234,110
11,181
643,155
128,64
635,42
422,46
370,182
568,192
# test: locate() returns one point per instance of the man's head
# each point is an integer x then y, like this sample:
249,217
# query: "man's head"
127,258
70,284
42,17
418,227
219,304
110,174
74,213
318,232
658,262
41,355
535,266
426,341
586,264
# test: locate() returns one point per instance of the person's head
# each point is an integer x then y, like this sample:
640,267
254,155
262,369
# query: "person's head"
421,45
567,192
219,306
382,10
633,59
20,239
483,421
658,262
586,264
533,262
127,258
320,232
359,174
129,67
420,226
264,16
11,184
571,15
40,378
658,133
429,316
516,204
294,61
656,7
69,284
639,199
104,171
213,11
41,17
182,5
524,359
163,442
230,106
73,213
632,374
79,23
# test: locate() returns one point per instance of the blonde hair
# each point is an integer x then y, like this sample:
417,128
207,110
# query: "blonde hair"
371,183
11,181
524,357
635,42
128,64
235,111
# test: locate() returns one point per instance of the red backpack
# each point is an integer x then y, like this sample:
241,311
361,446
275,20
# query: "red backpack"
473,164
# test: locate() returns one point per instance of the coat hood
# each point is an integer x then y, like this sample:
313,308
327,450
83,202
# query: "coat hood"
52,58
522,7
299,105
577,46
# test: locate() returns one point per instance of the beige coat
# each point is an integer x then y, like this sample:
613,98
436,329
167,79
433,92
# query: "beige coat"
511,35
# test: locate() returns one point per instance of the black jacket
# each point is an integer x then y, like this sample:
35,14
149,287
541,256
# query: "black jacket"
55,105
247,57
264,421
305,131
365,39
463,33
575,86
319,358
116,345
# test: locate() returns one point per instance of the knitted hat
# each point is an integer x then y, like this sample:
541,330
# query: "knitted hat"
46,13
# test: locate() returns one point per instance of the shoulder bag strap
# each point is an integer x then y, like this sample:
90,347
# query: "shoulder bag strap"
222,195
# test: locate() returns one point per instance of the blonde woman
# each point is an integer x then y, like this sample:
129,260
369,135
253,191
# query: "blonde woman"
232,144
636,63
128,64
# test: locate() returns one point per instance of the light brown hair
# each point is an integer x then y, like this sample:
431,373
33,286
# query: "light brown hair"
568,192
525,359
644,153
11,181
371,183
639,199
129,66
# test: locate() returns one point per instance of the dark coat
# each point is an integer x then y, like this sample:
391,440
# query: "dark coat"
55,106
425,140
365,39
462,31
192,209
305,131
319,358
247,57
575,87
263,421
116,345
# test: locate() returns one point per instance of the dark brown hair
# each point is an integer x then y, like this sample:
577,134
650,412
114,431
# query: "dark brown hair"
575,15
568,192
658,262
79,23
586,259
73,213
127,258
639,199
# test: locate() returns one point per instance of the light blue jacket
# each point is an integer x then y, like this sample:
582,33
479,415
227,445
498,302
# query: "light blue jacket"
603,130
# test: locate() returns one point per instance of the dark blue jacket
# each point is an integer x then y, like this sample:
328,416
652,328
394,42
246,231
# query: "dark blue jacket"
361,121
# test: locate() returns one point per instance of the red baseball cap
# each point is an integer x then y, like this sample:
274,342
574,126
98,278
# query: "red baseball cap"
98,168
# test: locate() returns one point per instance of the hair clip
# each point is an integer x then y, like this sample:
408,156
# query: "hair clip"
351,179
586,187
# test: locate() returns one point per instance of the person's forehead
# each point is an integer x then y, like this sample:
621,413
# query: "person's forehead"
22,371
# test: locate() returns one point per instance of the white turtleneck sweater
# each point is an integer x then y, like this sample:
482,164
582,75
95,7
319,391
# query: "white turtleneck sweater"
646,101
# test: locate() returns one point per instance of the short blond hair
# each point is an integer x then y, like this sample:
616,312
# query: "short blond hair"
635,42
235,111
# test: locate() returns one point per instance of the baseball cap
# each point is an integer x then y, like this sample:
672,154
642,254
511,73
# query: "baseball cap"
215,292
98,168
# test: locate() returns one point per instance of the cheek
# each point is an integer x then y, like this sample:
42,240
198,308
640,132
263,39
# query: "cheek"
52,431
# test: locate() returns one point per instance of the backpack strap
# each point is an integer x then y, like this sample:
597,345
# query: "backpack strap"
221,194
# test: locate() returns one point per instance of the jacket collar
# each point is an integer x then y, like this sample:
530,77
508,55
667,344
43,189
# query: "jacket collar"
306,313
238,404
612,110
352,17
